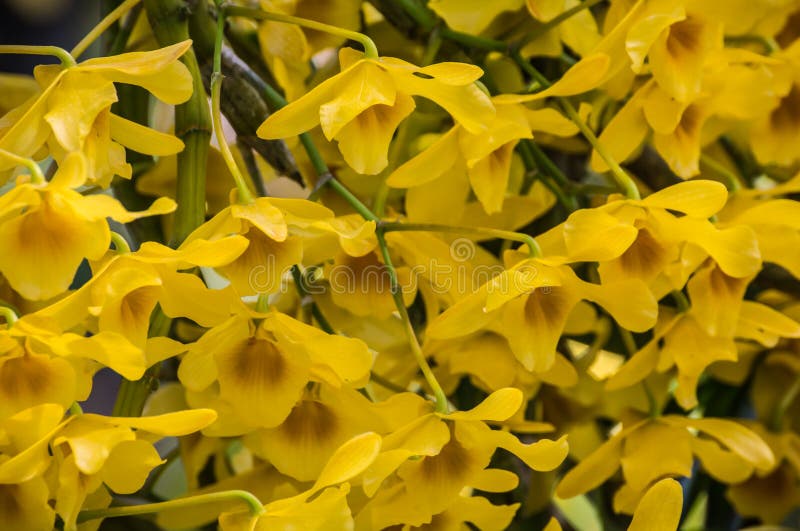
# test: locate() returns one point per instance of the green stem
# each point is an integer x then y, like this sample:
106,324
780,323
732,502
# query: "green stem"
192,120
253,504
731,180
622,179
784,404
397,295
300,286
126,28
370,50
132,395
533,247
681,302
555,21
9,315
75,409
120,243
354,202
383,382
64,56
104,24
37,177
242,190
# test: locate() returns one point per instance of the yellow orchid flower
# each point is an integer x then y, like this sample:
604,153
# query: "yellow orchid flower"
273,361
453,452
653,449
47,229
362,106
485,157
772,494
53,117
124,291
287,48
329,509
530,302
277,230
92,450
642,239
24,457
491,365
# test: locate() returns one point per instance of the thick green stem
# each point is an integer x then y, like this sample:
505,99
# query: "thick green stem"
192,120
253,504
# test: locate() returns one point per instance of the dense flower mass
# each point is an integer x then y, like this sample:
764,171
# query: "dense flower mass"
537,268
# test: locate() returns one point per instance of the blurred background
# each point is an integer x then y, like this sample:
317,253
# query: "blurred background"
44,22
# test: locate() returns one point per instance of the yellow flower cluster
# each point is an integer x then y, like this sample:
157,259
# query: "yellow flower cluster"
448,307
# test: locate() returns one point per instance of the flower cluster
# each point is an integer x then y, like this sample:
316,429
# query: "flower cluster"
539,268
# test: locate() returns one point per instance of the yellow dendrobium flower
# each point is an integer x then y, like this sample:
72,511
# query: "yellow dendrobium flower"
453,451
491,365
24,458
328,510
484,156
124,291
530,302
72,111
326,417
362,105
47,229
771,494
654,449
287,48
277,230
92,450
256,375
642,239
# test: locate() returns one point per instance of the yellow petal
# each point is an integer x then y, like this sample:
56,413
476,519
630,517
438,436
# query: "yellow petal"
428,165
304,113
736,437
24,505
593,470
595,235
41,250
169,424
653,451
722,465
364,141
583,76
542,455
158,71
489,177
696,198
32,379
471,16
128,466
366,85
349,460
660,507
498,406
101,206
467,104
143,139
